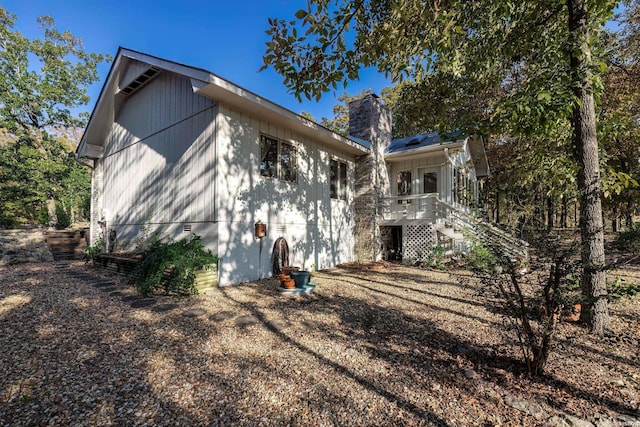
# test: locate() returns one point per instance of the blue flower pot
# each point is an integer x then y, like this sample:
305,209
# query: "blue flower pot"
301,278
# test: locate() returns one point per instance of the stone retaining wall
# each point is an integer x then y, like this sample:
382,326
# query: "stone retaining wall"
18,246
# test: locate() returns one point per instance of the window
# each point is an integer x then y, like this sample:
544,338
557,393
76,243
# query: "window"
338,180
430,182
269,157
278,159
342,190
288,164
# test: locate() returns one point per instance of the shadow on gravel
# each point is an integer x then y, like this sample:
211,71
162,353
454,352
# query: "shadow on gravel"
420,412
384,330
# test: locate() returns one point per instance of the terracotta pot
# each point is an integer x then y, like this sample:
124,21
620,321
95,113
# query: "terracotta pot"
575,314
376,267
289,284
282,277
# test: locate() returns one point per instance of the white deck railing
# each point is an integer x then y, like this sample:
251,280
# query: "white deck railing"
430,208
417,206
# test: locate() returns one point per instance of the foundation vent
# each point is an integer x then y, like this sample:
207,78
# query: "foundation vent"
186,228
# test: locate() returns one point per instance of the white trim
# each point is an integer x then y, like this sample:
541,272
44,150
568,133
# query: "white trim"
410,154
212,86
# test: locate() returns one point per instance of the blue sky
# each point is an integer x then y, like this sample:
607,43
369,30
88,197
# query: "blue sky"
225,37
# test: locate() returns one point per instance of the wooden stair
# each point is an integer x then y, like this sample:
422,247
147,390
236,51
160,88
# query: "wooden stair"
487,234
67,244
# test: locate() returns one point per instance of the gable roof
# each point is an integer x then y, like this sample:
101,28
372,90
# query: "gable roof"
118,84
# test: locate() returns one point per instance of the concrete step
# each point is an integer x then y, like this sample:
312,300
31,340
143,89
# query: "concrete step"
449,232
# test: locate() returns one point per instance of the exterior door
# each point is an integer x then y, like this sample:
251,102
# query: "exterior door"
428,184
429,181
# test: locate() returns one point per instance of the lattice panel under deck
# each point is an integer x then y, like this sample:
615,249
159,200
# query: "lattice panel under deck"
417,242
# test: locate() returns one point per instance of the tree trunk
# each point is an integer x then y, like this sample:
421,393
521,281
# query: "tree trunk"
51,209
585,148
550,212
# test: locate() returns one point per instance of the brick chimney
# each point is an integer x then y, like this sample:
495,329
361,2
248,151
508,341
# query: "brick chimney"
370,120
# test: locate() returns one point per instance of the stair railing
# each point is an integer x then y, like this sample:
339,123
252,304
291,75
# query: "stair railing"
429,207
483,230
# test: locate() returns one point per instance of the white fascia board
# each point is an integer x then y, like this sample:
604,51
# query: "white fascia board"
479,156
229,93
92,151
421,151
97,121
212,86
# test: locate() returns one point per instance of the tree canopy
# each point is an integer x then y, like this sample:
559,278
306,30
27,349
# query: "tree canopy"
538,61
41,82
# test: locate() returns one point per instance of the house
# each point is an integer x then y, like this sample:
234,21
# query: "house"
178,150
433,182
425,189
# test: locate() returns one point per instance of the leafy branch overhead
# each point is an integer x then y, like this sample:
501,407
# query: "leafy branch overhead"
521,48
42,80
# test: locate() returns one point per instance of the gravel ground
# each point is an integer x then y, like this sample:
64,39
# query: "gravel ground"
402,346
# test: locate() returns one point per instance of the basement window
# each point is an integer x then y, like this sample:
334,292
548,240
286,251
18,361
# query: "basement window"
278,159
338,180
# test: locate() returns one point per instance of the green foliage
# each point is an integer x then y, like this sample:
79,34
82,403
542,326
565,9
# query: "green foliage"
509,59
169,266
94,250
63,216
435,259
620,288
481,258
31,176
41,82
43,217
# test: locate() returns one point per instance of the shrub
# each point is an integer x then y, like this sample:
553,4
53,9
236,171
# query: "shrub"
481,258
94,250
63,216
435,259
532,297
170,266
620,288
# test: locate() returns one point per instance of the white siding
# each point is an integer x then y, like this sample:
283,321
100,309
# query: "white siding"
159,162
437,162
319,231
